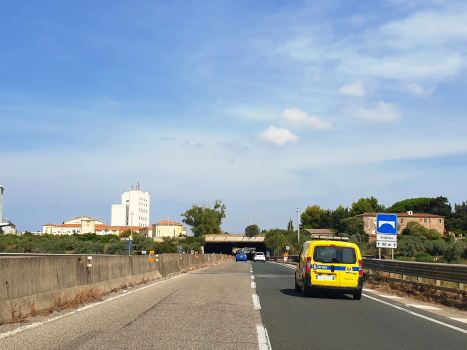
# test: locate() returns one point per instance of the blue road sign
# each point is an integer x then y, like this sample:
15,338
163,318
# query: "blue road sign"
386,223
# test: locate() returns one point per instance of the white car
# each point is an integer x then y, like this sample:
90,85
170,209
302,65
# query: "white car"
259,257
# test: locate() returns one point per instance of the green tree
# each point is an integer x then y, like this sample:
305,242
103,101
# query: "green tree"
290,225
127,233
415,229
204,220
252,230
312,216
366,205
436,206
276,243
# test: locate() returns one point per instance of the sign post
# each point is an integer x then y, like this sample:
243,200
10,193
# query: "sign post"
386,232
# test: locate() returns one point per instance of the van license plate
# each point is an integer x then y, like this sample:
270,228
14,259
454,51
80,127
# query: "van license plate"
325,277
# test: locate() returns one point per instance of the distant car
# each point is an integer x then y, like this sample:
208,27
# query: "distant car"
259,256
241,256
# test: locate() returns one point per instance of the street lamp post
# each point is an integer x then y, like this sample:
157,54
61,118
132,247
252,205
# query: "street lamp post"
131,233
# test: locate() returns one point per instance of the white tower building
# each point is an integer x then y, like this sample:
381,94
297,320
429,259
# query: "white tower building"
133,201
1,203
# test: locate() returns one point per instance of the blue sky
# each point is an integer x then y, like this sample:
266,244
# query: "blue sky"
269,106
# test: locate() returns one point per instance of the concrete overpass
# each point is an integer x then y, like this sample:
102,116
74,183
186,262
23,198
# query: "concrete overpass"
226,243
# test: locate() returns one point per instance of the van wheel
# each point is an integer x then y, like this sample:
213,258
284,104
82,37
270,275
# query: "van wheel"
297,287
305,291
357,296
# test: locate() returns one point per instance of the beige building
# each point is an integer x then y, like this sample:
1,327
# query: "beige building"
428,221
166,228
85,224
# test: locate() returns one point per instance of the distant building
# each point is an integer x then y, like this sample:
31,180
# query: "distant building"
6,227
133,201
1,202
428,221
315,233
166,228
85,224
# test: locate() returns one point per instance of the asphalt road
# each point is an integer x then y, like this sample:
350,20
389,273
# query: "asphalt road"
209,308
339,322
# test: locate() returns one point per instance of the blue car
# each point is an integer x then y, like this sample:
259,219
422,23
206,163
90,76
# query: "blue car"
241,256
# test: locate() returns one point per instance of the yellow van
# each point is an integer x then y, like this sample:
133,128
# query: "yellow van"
330,263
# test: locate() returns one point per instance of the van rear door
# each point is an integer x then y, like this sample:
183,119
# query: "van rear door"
349,267
324,272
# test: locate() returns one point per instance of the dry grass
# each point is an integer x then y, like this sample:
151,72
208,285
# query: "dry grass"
418,293
84,295
17,315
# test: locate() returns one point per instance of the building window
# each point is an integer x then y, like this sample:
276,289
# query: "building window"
402,220
440,221
425,220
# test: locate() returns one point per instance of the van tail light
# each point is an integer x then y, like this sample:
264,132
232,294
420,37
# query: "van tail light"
308,264
360,268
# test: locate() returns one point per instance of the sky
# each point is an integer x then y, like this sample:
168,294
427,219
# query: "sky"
270,106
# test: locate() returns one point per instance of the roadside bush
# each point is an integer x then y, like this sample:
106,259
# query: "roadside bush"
453,254
436,248
424,257
117,248
88,247
410,245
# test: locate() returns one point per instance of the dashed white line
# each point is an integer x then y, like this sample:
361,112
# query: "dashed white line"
253,285
418,315
252,277
263,338
256,303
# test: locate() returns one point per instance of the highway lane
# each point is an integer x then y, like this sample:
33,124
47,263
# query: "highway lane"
209,308
339,322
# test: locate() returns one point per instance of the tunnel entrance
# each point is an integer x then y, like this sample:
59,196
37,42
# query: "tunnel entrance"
226,244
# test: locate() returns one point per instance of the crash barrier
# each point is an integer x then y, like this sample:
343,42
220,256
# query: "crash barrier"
281,258
456,274
28,280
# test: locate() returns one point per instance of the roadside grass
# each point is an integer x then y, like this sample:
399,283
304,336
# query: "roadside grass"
454,300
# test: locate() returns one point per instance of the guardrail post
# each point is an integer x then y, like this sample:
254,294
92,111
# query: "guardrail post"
461,286
419,279
404,277
438,282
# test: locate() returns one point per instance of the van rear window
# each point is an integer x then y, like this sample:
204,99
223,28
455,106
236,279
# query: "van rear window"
336,255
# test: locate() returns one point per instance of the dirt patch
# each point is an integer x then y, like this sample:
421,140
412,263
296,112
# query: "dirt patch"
419,293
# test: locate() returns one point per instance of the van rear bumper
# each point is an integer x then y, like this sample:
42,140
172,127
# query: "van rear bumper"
310,286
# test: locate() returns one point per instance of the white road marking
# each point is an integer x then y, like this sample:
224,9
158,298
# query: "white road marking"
426,307
256,303
252,277
253,285
418,315
464,320
37,324
368,290
391,297
263,337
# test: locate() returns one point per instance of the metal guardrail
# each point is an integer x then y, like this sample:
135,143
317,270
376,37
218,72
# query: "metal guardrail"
444,272
438,272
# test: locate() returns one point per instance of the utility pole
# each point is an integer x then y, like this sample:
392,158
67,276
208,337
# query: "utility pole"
298,227
131,234
250,220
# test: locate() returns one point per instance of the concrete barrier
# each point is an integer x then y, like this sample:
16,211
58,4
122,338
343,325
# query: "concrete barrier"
27,281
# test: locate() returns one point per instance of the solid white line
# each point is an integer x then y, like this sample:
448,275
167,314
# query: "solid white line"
427,307
463,320
253,285
256,303
391,297
37,324
252,277
418,315
263,337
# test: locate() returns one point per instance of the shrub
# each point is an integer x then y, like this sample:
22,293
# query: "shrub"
423,257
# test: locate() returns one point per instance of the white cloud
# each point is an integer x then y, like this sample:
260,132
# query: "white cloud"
416,90
192,143
383,112
296,117
277,136
356,89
